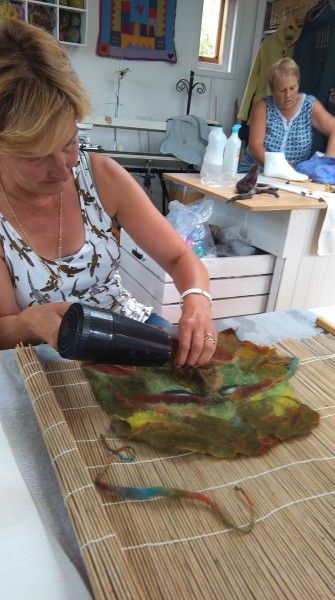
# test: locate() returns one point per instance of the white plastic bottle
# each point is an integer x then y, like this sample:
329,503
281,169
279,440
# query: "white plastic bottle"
231,154
211,170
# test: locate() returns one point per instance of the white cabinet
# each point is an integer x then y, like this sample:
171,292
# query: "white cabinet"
65,19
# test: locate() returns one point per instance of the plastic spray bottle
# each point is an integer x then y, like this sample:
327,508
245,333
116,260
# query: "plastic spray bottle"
211,171
231,154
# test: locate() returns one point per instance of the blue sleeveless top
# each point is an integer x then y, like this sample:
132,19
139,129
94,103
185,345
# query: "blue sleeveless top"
293,137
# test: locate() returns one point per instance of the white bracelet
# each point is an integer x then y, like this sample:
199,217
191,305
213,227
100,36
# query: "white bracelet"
195,291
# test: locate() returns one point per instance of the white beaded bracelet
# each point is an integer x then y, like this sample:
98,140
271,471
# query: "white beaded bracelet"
195,291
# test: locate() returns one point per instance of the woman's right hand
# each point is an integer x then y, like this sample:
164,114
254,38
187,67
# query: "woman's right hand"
43,321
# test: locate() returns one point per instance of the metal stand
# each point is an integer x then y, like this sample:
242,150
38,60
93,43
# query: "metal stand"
190,85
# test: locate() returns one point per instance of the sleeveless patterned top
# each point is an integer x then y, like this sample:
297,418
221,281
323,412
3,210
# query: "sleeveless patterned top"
89,276
293,137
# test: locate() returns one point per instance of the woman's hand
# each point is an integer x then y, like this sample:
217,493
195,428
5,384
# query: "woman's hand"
197,335
257,130
43,321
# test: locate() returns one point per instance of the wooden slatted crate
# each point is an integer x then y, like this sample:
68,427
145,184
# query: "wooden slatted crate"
240,285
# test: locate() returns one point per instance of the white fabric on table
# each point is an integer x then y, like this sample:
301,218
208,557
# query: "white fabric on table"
33,565
43,550
326,244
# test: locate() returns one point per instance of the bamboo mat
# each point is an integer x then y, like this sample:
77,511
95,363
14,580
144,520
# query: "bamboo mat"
164,549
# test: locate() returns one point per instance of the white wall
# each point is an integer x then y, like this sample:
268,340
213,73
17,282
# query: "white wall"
148,90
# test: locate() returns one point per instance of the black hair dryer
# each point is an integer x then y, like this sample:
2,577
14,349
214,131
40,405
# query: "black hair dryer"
100,336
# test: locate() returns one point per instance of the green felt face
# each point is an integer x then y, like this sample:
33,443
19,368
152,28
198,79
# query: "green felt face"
241,404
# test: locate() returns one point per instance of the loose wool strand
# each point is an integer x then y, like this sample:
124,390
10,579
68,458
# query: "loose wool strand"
126,454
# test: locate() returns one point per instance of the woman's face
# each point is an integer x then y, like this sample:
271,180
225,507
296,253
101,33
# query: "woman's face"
286,92
44,176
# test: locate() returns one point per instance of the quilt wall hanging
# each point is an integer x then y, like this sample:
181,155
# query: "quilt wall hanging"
137,30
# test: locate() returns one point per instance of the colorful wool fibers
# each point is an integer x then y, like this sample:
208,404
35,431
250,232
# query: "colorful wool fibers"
241,404
148,493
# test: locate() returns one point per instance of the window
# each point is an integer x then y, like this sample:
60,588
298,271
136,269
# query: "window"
210,48
218,26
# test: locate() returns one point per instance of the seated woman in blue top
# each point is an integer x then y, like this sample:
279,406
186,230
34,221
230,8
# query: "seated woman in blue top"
284,121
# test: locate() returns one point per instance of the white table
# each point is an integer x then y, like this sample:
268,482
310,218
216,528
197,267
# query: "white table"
287,227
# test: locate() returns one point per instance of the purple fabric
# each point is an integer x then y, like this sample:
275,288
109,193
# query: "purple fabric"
320,169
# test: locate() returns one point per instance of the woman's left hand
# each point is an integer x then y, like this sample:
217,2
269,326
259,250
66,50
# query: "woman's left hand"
197,336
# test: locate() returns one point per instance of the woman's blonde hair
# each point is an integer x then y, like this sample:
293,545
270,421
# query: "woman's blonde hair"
284,66
39,91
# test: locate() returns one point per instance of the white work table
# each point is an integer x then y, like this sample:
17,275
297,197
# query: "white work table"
287,227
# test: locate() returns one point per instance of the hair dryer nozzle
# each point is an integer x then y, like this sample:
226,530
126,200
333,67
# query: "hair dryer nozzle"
100,336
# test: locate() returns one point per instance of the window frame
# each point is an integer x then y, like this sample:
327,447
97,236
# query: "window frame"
230,25
216,59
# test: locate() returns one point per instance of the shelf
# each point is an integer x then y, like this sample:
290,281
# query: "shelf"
66,20
137,124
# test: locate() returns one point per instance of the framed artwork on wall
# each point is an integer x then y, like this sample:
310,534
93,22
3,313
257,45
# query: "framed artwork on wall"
137,30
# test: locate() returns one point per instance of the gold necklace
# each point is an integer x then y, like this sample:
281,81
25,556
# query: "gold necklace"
24,233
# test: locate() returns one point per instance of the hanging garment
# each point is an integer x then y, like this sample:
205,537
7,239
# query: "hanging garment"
315,55
293,137
240,404
277,45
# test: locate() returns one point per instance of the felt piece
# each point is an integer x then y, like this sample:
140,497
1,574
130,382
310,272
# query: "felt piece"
276,165
319,168
137,30
240,404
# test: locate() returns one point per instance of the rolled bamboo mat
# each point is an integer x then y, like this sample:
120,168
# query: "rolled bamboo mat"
177,549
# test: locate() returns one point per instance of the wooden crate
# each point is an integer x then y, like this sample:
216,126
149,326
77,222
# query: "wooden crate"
239,285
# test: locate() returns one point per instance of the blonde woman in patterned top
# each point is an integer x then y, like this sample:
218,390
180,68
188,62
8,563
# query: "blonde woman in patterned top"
284,121
56,240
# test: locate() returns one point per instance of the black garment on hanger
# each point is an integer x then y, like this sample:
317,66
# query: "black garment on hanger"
315,54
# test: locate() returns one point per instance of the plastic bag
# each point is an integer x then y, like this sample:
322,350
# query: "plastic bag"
192,223
230,241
